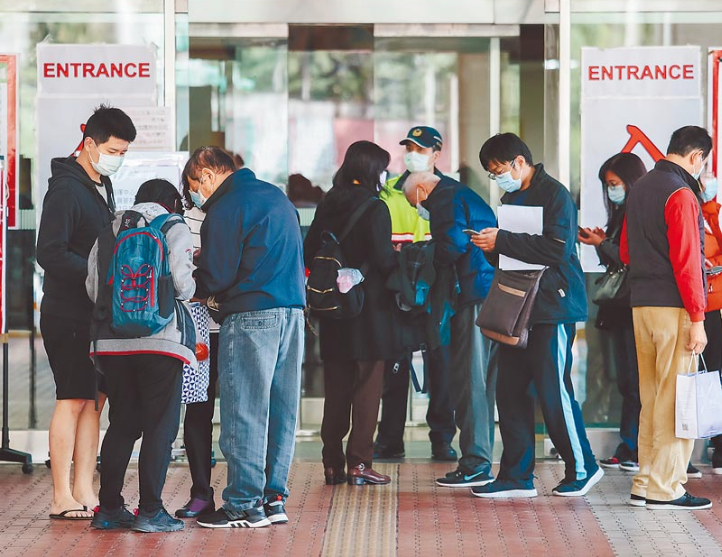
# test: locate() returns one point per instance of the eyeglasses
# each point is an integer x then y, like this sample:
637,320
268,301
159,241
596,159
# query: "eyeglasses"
493,175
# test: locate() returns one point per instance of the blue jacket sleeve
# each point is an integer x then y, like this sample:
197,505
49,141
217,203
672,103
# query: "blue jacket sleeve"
61,215
554,245
220,257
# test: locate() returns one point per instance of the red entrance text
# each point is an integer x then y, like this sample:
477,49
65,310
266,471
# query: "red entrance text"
59,70
631,72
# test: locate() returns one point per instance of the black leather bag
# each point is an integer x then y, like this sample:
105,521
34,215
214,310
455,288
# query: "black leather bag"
505,314
613,288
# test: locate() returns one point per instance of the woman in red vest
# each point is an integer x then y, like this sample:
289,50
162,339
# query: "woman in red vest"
713,262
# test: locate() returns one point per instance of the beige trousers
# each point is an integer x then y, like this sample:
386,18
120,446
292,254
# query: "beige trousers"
661,334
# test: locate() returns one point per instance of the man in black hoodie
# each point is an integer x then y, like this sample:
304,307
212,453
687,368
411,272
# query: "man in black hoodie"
78,205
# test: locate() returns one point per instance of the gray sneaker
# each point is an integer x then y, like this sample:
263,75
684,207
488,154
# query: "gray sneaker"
158,522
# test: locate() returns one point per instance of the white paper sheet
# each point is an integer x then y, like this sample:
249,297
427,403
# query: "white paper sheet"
515,218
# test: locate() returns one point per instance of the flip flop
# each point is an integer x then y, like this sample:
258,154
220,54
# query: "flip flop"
64,515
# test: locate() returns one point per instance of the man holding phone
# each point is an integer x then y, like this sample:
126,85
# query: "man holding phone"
454,210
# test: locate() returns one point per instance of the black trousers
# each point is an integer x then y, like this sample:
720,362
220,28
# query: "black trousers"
198,432
544,369
440,413
353,392
144,394
713,354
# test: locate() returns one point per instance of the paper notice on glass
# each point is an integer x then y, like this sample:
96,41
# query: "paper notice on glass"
528,220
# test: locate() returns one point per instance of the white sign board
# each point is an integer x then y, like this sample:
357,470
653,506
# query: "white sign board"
632,101
139,167
73,80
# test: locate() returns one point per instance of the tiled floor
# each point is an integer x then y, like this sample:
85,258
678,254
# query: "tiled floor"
410,517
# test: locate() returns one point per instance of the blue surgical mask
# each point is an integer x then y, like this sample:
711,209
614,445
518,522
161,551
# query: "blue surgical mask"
197,198
507,183
710,190
616,194
421,210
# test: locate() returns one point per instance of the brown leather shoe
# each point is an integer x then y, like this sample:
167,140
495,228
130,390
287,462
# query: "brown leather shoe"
361,475
334,476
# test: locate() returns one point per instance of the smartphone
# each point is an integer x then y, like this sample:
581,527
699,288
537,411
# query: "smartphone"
470,232
714,270
583,233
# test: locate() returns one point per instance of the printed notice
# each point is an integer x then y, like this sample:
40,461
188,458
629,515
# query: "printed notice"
153,126
526,220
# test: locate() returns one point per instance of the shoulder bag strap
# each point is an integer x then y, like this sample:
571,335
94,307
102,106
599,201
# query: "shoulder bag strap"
354,218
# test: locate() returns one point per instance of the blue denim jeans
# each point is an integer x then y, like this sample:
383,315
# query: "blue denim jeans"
259,372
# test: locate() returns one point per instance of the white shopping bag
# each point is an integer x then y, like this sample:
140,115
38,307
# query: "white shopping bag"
698,405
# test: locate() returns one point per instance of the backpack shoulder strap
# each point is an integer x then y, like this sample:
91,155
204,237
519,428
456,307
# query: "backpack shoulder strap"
355,217
129,219
165,222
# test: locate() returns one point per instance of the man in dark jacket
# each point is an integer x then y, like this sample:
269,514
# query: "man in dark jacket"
78,205
251,271
451,208
560,303
663,243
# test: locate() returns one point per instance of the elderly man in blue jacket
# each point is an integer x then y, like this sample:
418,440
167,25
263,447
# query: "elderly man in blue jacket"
251,271
451,208
559,304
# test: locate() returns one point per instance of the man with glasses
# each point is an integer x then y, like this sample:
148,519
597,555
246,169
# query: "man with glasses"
545,365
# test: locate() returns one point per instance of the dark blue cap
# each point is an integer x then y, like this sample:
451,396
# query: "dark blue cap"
424,136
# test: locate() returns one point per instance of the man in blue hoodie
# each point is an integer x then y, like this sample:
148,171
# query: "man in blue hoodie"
451,207
251,271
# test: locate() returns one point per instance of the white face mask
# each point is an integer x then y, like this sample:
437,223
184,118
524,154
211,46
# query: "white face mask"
107,165
417,162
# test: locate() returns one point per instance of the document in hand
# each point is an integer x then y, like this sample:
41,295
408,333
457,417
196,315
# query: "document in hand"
528,220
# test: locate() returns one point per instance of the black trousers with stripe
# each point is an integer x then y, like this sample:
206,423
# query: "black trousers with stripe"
541,371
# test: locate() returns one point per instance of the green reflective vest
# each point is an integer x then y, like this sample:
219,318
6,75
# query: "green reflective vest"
406,224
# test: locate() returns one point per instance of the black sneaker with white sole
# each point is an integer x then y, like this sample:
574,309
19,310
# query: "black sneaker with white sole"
159,521
224,518
637,500
685,503
578,488
693,471
464,478
276,511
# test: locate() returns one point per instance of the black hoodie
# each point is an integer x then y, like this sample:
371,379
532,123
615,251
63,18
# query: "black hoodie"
74,213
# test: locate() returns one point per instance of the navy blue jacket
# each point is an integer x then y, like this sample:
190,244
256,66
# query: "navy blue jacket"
251,256
562,296
453,208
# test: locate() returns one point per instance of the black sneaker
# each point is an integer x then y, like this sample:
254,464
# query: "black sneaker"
384,452
444,452
685,503
717,462
110,520
505,489
276,511
224,518
578,488
693,471
158,522
637,501
463,478
612,462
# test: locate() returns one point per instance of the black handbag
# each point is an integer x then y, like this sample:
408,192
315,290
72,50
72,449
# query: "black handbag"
505,314
613,288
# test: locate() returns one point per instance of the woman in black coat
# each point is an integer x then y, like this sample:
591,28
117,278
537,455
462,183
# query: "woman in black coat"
354,350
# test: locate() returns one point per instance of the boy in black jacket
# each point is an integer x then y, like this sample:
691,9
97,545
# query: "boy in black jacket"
78,205
547,360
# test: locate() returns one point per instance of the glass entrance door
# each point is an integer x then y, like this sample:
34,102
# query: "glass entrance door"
290,99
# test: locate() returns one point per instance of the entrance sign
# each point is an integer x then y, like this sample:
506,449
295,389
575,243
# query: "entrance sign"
632,101
72,81
9,135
